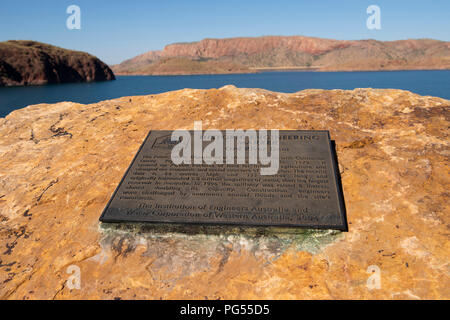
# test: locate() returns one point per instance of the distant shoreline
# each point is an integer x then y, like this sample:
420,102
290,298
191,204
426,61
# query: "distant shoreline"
282,69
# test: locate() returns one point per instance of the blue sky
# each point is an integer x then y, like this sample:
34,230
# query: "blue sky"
116,30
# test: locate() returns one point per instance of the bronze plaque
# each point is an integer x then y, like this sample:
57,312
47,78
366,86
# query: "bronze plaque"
305,191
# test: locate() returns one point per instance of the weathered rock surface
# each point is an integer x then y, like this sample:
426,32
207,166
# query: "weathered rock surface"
33,63
60,164
285,52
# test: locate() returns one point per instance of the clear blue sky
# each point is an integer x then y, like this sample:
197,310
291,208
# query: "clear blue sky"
116,30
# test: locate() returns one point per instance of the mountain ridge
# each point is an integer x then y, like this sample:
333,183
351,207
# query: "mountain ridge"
282,52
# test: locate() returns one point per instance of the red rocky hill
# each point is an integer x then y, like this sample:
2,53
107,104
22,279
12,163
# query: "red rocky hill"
34,63
278,52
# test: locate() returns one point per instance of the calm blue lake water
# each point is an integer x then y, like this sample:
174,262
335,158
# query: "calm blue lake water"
434,83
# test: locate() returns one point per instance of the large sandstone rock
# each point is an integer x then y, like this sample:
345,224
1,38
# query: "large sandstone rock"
60,164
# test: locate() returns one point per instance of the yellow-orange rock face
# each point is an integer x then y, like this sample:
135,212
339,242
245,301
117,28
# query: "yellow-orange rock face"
60,163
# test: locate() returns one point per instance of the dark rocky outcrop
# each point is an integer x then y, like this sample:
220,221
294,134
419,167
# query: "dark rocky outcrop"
33,63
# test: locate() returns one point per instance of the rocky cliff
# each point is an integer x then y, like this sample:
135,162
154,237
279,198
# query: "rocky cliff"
60,163
35,63
277,52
